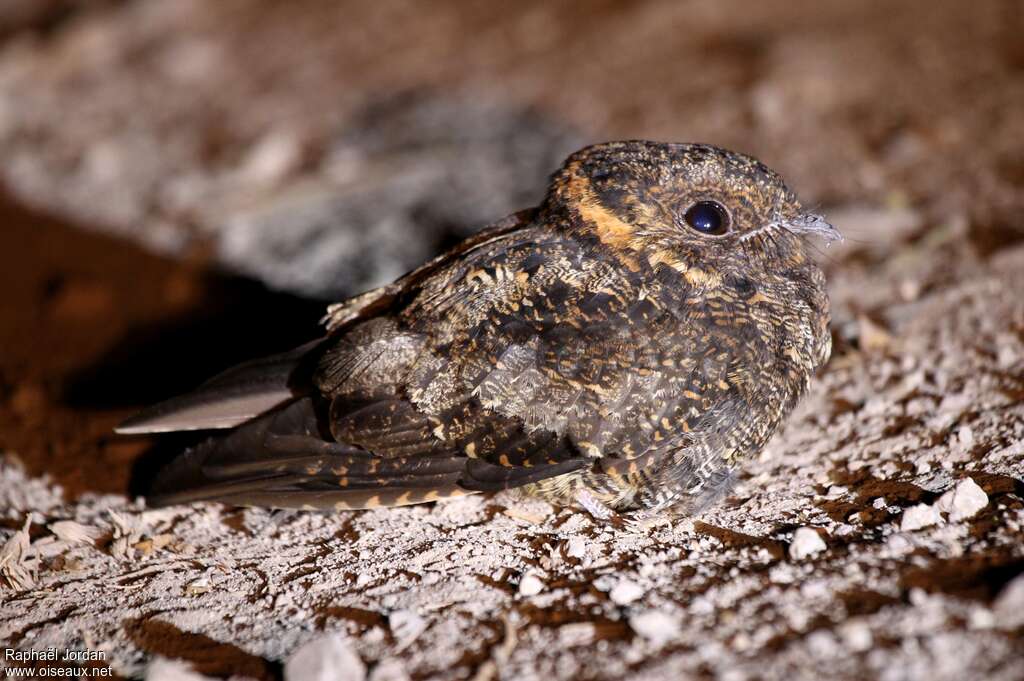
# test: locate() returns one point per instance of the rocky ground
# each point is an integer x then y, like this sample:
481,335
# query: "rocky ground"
319,151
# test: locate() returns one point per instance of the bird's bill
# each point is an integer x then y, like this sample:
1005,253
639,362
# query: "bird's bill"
814,225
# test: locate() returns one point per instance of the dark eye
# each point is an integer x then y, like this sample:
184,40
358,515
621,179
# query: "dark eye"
708,217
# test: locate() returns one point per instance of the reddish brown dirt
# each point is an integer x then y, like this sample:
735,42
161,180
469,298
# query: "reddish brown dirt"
93,328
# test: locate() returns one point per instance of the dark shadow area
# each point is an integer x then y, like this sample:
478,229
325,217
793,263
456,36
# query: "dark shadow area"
864,602
161,452
44,18
237,320
95,328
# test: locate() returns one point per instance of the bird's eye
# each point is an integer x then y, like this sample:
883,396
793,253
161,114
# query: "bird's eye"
708,217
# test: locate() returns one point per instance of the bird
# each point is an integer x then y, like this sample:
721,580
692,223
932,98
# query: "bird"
622,347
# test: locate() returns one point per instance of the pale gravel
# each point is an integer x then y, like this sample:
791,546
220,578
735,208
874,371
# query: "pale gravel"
963,501
806,542
519,590
329,657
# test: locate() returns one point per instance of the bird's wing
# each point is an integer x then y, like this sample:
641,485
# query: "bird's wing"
379,300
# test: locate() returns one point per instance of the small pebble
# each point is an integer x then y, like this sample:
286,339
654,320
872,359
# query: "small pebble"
857,635
916,517
782,574
899,544
576,547
822,644
390,669
625,592
872,335
406,626
806,542
1009,605
963,501
530,585
198,586
981,618
326,658
576,634
163,669
656,626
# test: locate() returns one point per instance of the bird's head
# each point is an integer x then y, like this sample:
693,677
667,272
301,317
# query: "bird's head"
685,206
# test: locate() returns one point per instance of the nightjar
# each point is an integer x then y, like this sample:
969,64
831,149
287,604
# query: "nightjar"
624,345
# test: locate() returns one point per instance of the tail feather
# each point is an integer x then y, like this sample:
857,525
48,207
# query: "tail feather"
231,398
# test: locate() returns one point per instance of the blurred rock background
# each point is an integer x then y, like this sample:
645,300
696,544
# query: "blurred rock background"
326,147
183,183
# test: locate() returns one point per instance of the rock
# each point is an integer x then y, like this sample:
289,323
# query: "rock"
345,190
576,547
857,635
390,669
406,626
965,437
576,634
326,658
163,669
625,592
917,517
963,501
198,586
806,542
873,336
822,644
1009,605
656,626
530,585
899,544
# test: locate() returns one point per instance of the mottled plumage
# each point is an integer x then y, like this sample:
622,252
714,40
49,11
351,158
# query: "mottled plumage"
624,345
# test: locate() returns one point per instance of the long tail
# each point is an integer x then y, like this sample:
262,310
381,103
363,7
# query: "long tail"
232,397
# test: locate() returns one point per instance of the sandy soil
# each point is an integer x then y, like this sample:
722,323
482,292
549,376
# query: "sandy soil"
165,148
